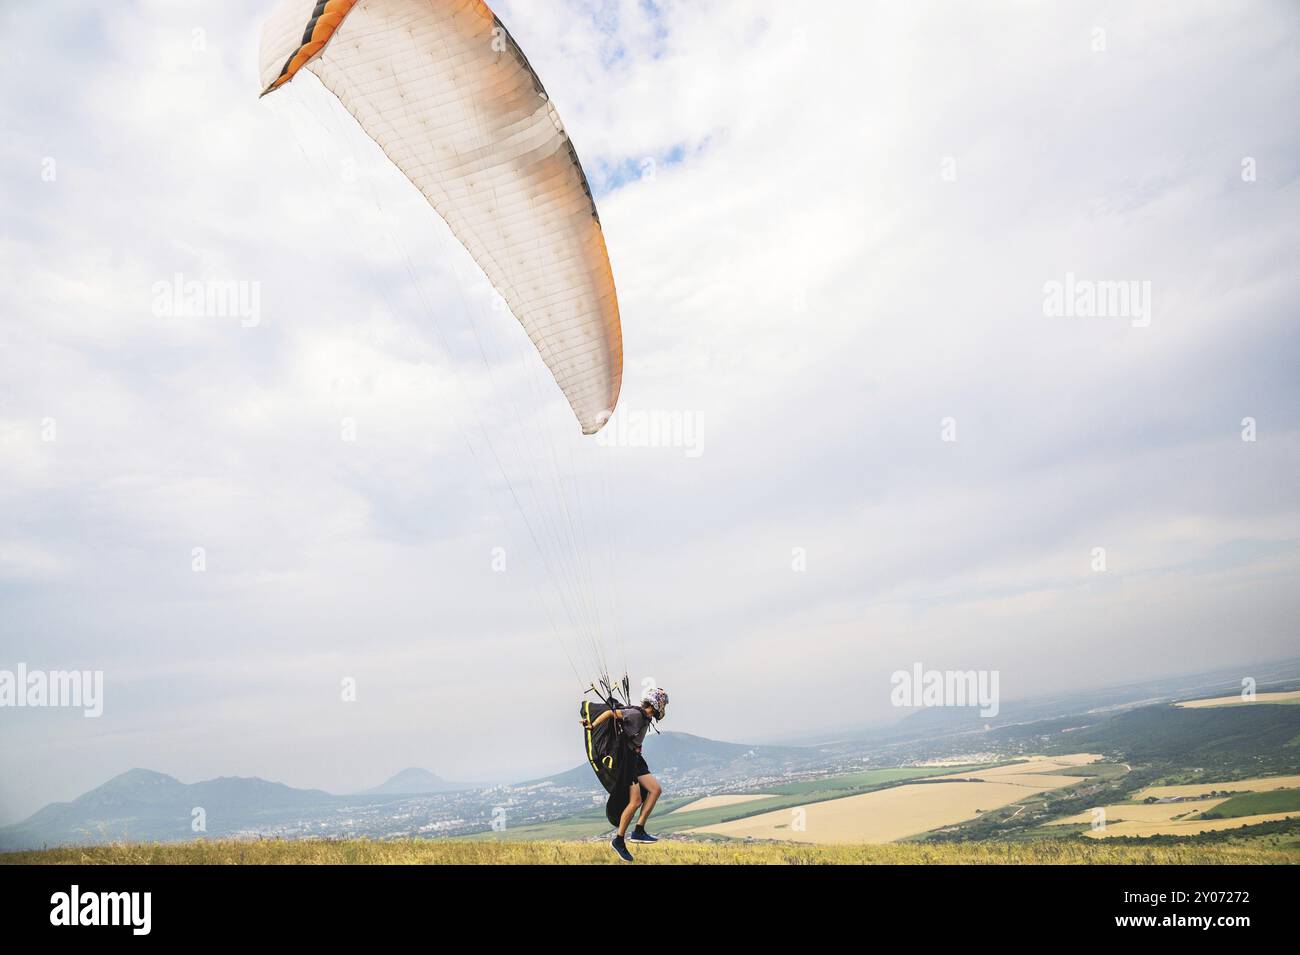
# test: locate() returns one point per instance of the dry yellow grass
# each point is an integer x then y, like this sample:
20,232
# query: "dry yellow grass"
890,814
460,852
713,802
1236,700
1259,785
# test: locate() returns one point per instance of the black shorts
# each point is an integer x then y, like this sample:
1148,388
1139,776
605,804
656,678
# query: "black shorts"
640,768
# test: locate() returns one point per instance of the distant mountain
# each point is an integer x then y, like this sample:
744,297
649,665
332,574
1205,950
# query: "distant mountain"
683,753
142,804
415,781
685,759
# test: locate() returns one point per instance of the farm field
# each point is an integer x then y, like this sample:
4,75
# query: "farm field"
1258,785
1159,812
1253,804
681,815
719,802
1182,827
1260,800
896,813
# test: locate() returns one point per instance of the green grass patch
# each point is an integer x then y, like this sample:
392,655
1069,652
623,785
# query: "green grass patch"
1256,804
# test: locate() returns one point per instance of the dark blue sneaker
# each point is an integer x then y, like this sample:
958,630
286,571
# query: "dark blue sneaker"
618,846
640,835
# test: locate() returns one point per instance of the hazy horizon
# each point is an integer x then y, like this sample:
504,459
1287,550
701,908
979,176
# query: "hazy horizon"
502,777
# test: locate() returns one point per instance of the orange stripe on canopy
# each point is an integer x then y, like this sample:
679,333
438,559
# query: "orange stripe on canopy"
322,30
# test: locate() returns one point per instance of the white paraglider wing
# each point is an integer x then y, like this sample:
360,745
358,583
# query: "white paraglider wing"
444,90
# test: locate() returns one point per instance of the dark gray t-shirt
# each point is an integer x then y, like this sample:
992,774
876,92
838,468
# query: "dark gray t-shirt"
635,725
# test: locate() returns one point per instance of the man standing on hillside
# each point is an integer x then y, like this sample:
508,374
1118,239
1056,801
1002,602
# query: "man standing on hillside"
644,791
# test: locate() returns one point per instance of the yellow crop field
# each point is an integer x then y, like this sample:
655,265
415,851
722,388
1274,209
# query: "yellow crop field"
1258,785
1144,812
1032,766
890,814
1182,827
714,802
1235,699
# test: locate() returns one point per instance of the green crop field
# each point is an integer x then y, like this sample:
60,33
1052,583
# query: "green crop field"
1253,804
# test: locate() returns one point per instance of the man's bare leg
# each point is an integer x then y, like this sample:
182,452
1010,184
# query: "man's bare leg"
653,791
632,805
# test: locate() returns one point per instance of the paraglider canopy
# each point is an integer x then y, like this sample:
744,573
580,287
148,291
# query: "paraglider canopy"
446,92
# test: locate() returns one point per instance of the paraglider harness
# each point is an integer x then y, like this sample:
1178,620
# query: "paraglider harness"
609,749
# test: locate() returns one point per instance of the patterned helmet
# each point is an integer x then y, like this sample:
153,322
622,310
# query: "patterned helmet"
656,699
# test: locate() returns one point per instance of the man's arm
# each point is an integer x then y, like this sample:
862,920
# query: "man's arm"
599,719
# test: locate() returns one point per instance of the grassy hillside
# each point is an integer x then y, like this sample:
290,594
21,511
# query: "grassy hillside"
1256,738
445,851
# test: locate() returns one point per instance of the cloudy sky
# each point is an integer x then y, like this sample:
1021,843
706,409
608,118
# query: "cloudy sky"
834,241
